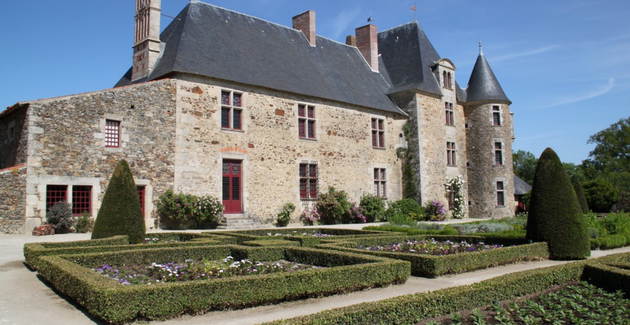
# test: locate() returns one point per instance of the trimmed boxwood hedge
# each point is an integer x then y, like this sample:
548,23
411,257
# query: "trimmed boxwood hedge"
433,266
267,243
413,308
32,251
105,298
305,241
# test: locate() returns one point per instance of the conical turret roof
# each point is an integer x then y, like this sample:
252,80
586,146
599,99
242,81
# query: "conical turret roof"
483,84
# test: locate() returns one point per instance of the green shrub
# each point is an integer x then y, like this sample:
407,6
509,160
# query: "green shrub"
593,233
449,231
616,223
85,223
579,191
120,212
59,216
555,215
405,208
284,216
187,211
373,207
334,207
600,194
612,241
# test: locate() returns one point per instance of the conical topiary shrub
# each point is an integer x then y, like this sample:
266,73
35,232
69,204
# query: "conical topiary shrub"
579,192
555,215
120,212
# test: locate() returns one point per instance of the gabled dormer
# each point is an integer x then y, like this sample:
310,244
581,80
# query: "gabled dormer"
444,71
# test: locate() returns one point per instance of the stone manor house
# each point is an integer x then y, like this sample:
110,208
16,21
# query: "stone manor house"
258,115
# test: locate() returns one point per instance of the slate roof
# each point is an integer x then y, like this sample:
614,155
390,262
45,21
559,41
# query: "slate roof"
210,41
408,56
520,187
483,85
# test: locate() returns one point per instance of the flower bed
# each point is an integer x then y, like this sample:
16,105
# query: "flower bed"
190,270
433,247
306,237
105,298
33,251
433,266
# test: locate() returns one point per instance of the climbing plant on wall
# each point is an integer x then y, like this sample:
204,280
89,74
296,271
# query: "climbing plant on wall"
454,186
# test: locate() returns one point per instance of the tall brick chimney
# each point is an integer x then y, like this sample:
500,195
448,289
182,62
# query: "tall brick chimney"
367,43
146,45
305,22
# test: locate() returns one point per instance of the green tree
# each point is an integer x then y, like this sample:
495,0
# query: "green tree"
555,215
120,212
600,195
524,164
611,155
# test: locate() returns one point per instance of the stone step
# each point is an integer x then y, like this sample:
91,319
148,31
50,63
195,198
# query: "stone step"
238,221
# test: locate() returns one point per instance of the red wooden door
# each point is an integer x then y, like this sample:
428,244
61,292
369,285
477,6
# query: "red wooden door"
232,186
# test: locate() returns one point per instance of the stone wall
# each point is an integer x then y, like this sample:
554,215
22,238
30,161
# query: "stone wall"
13,200
13,136
482,172
271,151
67,145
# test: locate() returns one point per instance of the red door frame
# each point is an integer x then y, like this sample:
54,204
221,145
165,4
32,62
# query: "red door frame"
232,188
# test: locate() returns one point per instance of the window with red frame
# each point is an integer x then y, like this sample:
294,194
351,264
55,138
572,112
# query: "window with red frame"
56,193
378,133
308,181
81,199
306,121
231,110
498,154
380,182
450,114
141,193
112,133
500,194
496,115
447,80
451,154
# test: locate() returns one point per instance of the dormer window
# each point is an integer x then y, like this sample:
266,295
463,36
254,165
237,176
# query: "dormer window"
447,80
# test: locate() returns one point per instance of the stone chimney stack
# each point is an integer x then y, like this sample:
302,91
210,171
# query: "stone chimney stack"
146,45
305,22
351,40
367,43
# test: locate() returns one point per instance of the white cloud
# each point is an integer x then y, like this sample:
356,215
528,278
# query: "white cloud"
523,54
341,22
593,94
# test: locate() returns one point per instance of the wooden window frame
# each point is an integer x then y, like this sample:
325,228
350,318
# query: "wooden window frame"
450,114
378,132
81,199
306,122
380,182
500,190
112,133
55,193
309,181
231,110
496,116
498,153
451,154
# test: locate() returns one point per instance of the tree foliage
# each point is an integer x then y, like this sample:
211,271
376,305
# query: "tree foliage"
555,215
600,195
579,192
610,158
120,212
524,163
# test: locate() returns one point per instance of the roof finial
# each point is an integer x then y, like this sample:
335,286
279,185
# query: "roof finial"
480,49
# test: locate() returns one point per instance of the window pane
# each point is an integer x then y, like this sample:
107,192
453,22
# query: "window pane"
226,188
302,128
112,133
499,185
313,189
54,194
311,129
381,139
81,199
236,185
225,98
303,192
380,125
303,170
225,117
237,119
237,100
301,110
311,112
312,172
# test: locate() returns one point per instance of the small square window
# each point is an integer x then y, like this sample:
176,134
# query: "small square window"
81,199
112,133
231,110
56,193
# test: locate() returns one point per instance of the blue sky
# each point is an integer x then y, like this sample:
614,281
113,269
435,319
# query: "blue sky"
565,64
